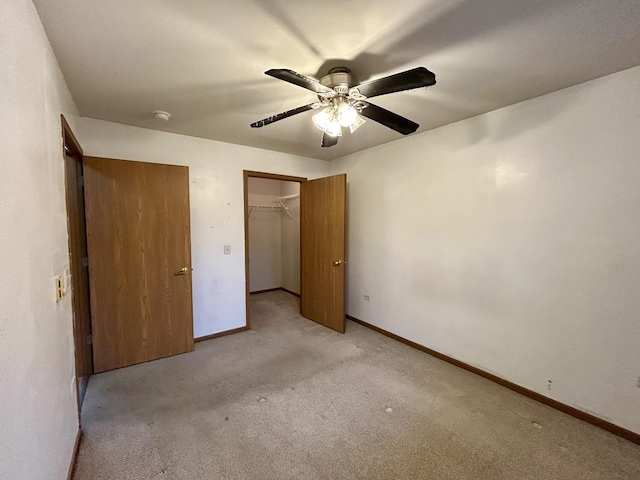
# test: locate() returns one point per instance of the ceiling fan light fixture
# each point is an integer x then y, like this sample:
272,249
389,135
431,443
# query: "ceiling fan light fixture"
359,121
327,121
322,118
333,128
347,115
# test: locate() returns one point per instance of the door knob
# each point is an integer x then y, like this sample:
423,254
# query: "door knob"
182,271
337,263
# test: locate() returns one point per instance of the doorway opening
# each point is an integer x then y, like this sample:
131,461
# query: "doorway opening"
78,260
322,244
272,234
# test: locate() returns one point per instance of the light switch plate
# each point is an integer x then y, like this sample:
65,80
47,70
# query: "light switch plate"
227,249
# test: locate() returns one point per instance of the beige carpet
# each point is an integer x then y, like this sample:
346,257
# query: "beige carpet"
291,399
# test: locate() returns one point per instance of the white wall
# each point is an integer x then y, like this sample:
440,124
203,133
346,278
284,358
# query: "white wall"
291,239
265,235
38,411
511,241
217,205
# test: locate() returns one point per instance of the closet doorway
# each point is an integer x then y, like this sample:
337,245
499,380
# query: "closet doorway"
295,241
272,234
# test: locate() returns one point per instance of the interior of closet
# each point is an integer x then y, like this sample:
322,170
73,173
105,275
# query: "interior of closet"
274,235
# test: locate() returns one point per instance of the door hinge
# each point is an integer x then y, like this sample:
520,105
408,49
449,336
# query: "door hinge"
85,261
81,181
89,339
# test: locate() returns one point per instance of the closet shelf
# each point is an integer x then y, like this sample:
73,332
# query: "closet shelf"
270,208
290,197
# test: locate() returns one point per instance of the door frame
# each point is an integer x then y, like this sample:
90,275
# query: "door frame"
71,147
272,176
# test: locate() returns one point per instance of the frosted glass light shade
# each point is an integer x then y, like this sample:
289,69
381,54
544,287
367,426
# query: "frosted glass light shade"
326,120
347,115
333,128
322,119
358,122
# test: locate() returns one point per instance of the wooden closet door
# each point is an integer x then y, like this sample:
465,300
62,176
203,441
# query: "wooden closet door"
139,244
322,250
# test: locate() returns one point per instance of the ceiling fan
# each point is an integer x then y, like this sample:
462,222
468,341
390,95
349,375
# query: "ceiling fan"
343,100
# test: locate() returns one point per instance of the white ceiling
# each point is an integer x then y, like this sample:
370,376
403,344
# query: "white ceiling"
203,60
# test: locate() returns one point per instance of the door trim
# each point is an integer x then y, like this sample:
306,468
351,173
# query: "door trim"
71,147
69,139
246,174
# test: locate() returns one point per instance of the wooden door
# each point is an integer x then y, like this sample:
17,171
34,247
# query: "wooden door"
78,267
139,261
322,250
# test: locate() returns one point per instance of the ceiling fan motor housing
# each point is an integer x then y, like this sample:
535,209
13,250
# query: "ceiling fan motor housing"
340,79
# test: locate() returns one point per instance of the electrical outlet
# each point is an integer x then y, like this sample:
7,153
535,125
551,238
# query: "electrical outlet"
367,298
60,289
549,383
227,249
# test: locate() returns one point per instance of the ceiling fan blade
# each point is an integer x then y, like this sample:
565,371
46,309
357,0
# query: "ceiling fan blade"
389,119
328,140
298,79
416,78
280,116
